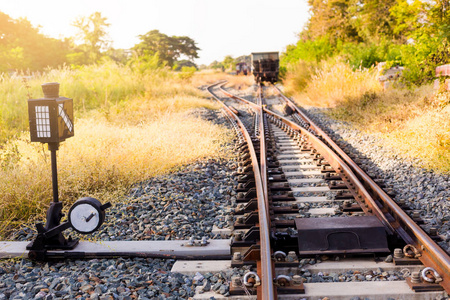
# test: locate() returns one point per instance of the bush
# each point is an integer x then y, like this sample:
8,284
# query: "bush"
187,72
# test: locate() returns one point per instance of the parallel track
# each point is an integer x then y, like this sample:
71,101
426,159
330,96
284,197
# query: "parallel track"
371,198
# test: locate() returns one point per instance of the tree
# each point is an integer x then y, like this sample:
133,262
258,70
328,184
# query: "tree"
93,34
372,19
229,62
22,47
168,48
330,18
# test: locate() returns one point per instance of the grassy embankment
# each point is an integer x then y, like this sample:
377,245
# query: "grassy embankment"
414,121
128,127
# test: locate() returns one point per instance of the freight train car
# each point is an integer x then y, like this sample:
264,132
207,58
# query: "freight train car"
265,66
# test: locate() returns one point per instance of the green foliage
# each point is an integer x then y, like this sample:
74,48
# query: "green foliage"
414,34
145,63
187,72
179,65
22,47
216,65
308,50
229,62
168,48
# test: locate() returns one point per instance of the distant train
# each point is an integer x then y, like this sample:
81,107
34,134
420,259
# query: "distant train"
265,66
242,68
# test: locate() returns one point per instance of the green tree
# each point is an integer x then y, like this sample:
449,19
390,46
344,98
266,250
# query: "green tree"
22,47
168,48
330,18
229,62
93,35
372,19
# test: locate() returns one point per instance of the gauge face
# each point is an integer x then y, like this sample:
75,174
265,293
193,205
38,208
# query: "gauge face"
84,217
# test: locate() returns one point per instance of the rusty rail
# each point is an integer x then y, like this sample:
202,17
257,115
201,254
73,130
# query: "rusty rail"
432,255
266,290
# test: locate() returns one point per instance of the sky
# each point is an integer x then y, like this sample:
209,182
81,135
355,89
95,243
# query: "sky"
220,28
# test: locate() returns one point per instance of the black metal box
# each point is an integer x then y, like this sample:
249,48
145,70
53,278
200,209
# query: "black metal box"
51,117
339,235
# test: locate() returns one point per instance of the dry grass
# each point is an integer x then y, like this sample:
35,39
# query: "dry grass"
415,122
116,145
330,85
425,135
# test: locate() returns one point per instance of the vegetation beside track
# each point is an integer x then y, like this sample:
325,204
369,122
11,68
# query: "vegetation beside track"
415,121
129,126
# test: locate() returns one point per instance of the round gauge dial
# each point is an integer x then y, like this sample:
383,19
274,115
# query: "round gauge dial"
86,215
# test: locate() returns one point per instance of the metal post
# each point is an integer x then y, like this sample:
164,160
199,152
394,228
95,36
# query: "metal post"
53,147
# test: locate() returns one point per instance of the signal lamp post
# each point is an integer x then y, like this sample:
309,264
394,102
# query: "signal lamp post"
51,122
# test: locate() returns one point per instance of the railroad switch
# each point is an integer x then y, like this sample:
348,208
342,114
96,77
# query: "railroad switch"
356,235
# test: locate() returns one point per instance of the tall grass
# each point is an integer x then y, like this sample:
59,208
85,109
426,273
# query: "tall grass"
91,87
415,121
123,138
330,84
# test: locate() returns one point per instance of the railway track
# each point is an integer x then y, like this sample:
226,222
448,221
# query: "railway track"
309,223
303,201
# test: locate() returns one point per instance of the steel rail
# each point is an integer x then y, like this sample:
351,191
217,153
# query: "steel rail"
266,252
432,254
267,274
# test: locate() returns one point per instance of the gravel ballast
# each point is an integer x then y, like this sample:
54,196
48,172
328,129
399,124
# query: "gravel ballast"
423,190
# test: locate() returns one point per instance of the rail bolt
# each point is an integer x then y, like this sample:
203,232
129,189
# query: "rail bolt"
251,279
415,277
283,280
237,256
411,251
433,231
398,253
297,280
236,281
279,256
430,275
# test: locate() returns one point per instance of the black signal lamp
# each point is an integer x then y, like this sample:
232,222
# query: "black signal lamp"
51,122
51,117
